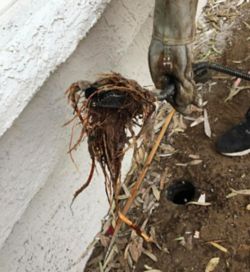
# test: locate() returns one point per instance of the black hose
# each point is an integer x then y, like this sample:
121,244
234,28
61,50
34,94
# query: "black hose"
169,91
201,67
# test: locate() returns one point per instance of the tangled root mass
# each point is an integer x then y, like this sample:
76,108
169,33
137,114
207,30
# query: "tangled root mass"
107,112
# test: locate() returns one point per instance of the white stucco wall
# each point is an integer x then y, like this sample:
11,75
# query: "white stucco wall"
5,5
37,178
38,231
36,37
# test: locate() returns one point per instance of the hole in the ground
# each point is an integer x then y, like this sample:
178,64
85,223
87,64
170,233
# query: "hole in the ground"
180,192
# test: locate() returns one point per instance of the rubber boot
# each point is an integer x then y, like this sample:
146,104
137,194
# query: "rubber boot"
170,51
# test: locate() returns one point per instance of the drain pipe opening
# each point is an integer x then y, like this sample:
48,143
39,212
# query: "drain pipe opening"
181,192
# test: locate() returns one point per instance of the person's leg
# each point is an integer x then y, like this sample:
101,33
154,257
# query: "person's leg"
236,141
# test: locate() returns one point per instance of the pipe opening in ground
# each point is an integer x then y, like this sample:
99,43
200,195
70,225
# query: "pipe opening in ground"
181,192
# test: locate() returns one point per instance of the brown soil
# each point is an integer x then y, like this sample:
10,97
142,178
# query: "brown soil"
226,220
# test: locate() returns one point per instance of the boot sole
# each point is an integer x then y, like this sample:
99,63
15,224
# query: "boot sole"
240,153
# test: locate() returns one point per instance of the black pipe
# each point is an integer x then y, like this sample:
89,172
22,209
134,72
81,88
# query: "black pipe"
201,68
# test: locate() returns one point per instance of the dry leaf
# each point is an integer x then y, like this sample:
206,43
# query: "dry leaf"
194,157
197,121
238,192
104,240
164,179
158,126
199,203
167,150
212,264
156,193
101,267
125,189
202,198
164,155
147,267
240,3
204,103
234,91
126,252
130,262
189,118
189,240
207,127
135,249
195,162
182,164
248,26
178,124
153,270
150,255
197,234
216,245
111,255
181,238
122,197
150,269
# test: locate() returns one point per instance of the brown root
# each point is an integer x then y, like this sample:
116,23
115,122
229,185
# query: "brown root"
107,128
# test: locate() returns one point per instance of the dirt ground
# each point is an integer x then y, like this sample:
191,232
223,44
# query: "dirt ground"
226,221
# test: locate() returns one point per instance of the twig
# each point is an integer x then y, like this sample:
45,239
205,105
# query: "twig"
199,203
138,183
218,246
136,228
